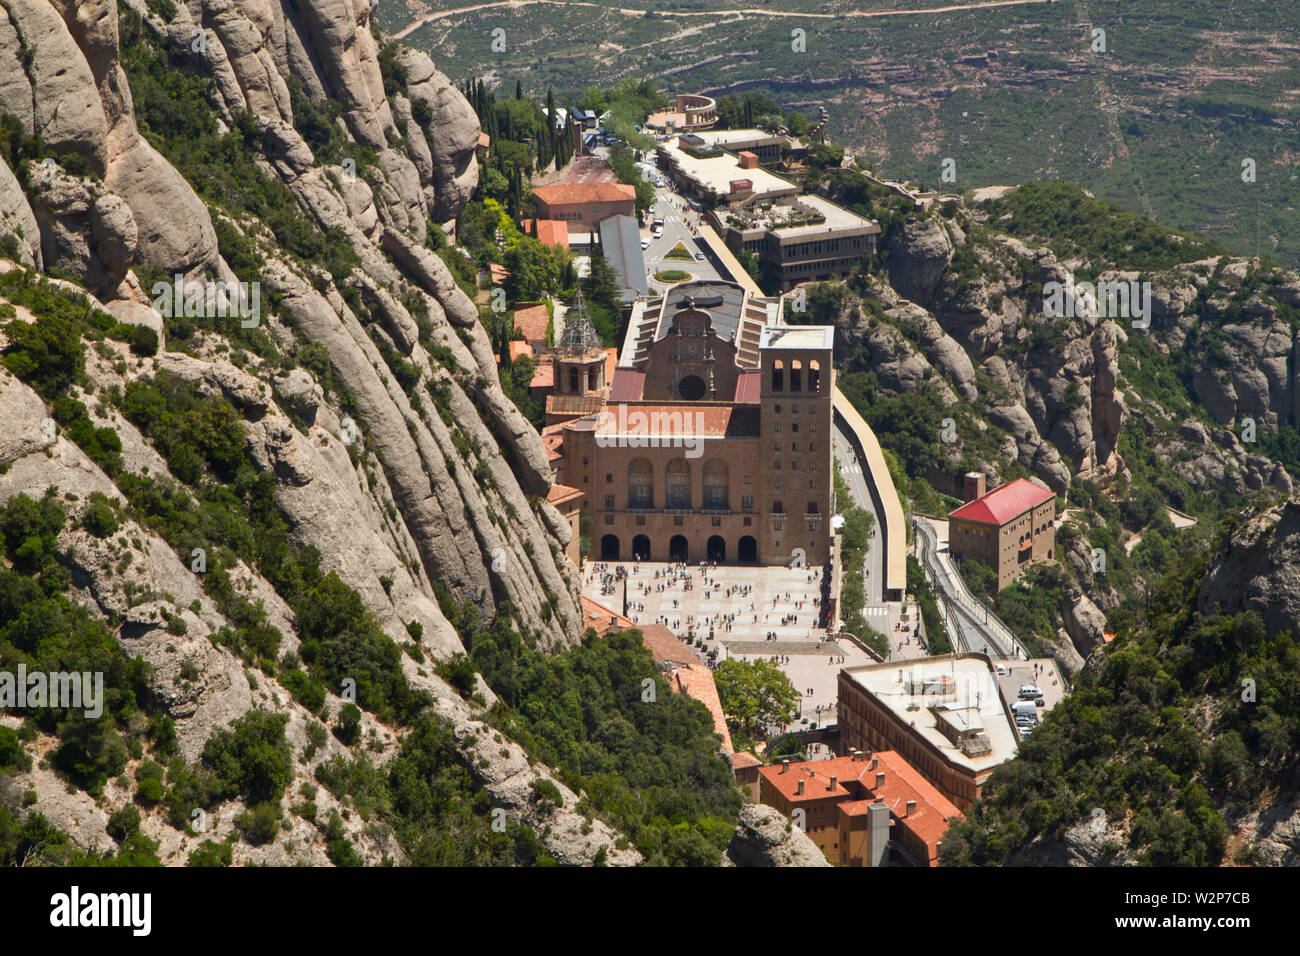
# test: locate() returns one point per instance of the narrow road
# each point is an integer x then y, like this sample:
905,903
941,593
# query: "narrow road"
852,471
741,11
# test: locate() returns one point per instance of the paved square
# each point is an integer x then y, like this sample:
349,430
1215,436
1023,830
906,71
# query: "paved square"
743,612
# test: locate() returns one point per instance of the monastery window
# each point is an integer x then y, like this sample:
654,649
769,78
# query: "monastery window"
677,484
717,481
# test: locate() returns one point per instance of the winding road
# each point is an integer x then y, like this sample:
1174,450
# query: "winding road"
724,12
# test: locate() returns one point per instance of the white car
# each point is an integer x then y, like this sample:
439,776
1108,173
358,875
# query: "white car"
699,256
645,243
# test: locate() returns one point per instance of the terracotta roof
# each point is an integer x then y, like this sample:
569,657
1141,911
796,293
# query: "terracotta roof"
664,645
697,681
856,788
553,443
576,405
519,348
742,759
611,362
543,376
498,272
603,619
572,193
550,232
531,321
562,493
626,385
707,421
749,385
484,139
1004,502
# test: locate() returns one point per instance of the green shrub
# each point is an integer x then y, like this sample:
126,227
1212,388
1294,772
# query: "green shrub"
210,853
123,823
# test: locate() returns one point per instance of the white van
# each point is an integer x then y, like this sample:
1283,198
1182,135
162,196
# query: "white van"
1029,691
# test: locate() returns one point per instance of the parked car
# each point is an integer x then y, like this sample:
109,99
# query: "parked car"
699,256
645,243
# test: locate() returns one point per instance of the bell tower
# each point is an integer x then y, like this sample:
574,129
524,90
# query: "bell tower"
580,357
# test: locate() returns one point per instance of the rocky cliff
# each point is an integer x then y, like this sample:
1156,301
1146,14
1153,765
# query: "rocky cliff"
402,462
956,309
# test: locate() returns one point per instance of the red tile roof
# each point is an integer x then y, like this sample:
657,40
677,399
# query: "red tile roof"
696,680
562,493
571,193
682,421
543,376
550,232
627,384
531,321
749,385
856,789
1004,502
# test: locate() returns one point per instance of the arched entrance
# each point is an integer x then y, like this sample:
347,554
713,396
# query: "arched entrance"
747,550
609,548
641,548
678,549
717,549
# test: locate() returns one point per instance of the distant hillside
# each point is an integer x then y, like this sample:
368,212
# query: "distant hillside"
1160,123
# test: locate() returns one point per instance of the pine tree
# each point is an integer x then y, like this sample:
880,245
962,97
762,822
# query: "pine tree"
519,90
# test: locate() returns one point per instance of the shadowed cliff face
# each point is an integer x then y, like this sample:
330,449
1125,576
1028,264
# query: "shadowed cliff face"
399,458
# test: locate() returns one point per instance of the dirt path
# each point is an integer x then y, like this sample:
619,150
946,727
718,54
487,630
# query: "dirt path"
744,11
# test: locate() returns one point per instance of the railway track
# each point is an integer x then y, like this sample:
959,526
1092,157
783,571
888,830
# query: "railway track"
965,626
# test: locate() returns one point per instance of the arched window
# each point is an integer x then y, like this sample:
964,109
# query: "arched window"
717,481
677,484
778,376
640,484
814,376
796,376
573,381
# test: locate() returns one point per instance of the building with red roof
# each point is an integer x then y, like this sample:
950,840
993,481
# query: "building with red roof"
1007,528
550,232
582,205
531,322
864,809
